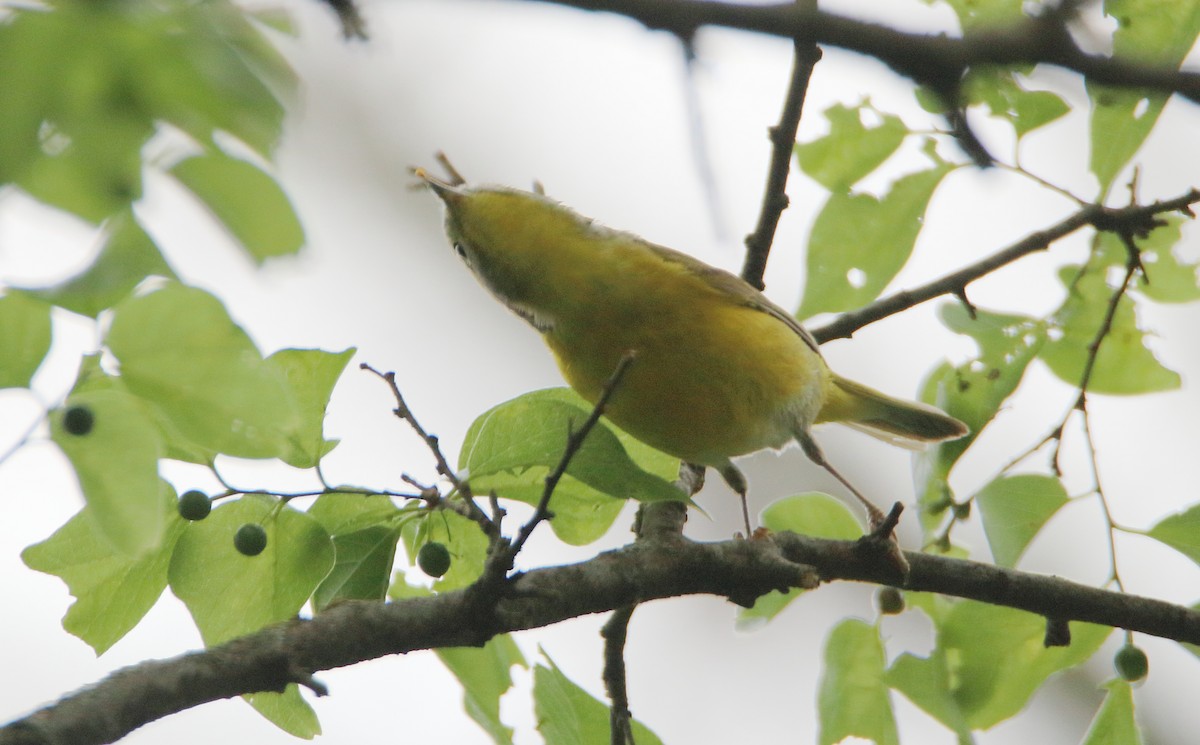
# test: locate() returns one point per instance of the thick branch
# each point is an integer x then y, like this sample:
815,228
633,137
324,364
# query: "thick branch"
741,570
926,58
1137,219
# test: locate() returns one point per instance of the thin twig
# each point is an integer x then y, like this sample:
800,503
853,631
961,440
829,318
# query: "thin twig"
1132,266
473,511
783,141
575,440
615,631
1134,218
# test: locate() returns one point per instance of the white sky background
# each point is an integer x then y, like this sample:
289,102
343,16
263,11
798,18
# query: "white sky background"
593,107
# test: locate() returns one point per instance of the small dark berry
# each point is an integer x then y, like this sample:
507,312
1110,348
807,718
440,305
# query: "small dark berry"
1131,663
78,420
250,539
194,505
889,600
434,559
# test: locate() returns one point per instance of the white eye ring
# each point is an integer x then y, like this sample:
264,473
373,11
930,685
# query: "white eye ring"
458,249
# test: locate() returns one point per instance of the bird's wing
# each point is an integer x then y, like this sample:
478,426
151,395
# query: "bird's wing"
736,289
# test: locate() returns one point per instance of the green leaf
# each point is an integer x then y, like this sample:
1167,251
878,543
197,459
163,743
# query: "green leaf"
127,256
112,590
1181,532
485,674
812,513
815,514
348,512
853,699
859,242
1124,365
230,595
999,89
1157,32
86,85
987,663
288,711
223,76
1114,723
1168,279
582,515
972,392
116,463
465,541
362,566
179,350
247,200
531,430
1014,509
647,458
568,715
311,373
24,339
851,150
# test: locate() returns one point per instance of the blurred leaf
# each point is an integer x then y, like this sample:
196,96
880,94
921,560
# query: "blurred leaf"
972,392
851,150
853,700
230,595
1114,723
812,513
465,541
531,430
1181,532
116,463
987,663
568,715
112,590
1006,98
178,349
859,242
1158,32
87,85
127,256
221,76
485,674
312,374
1168,279
25,334
1014,509
1124,365
249,202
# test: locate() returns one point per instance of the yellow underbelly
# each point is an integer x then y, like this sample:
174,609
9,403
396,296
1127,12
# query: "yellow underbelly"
703,387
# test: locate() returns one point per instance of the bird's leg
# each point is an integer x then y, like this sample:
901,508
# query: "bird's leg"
737,482
816,455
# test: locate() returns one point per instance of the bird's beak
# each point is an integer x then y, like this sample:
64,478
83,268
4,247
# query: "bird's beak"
448,193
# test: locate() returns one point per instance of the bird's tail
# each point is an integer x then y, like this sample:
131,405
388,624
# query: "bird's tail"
905,423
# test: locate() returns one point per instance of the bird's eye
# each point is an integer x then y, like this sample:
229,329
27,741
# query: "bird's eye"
458,249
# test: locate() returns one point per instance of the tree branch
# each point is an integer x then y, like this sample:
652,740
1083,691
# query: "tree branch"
783,140
932,59
741,570
1134,218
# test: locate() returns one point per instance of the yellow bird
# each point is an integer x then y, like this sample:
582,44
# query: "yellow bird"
720,371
